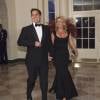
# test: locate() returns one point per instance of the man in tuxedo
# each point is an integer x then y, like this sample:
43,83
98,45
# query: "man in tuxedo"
3,46
36,37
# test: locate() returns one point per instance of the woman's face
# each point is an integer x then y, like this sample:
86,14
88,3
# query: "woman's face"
60,23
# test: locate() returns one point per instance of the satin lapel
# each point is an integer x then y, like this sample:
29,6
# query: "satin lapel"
35,33
43,33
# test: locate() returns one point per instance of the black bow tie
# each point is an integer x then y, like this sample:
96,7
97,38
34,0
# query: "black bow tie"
38,24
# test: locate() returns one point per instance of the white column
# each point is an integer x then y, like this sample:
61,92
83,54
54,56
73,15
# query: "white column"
12,45
45,7
18,13
57,8
70,6
63,8
40,7
35,3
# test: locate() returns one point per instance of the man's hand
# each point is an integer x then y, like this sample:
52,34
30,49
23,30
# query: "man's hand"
37,44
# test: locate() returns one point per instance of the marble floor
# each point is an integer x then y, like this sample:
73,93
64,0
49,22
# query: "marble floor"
86,77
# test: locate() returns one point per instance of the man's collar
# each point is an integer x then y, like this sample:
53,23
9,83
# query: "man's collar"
33,24
36,24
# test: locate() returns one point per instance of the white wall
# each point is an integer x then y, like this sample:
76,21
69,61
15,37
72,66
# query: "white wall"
19,16
62,8
23,18
12,51
3,14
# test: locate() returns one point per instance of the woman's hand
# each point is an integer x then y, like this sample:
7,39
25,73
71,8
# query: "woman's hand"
74,53
49,57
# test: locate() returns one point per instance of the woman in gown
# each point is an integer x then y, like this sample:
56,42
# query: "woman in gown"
64,86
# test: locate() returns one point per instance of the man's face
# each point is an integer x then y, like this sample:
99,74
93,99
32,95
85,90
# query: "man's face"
36,17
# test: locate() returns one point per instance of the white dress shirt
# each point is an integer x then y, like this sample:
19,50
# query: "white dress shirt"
38,31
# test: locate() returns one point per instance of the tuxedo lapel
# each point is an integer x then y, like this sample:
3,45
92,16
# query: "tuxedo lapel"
34,33
43,33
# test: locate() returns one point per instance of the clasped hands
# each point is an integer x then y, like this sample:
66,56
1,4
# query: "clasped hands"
37,44
49,57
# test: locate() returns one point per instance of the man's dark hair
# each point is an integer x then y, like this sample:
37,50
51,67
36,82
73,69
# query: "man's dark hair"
35,9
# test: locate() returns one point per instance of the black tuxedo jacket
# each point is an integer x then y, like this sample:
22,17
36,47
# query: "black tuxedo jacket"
3,35
35,56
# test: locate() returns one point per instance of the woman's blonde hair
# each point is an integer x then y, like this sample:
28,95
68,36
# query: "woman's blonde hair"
64,21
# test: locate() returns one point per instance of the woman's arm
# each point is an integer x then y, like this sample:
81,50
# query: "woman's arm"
72,45
51,53
52,38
